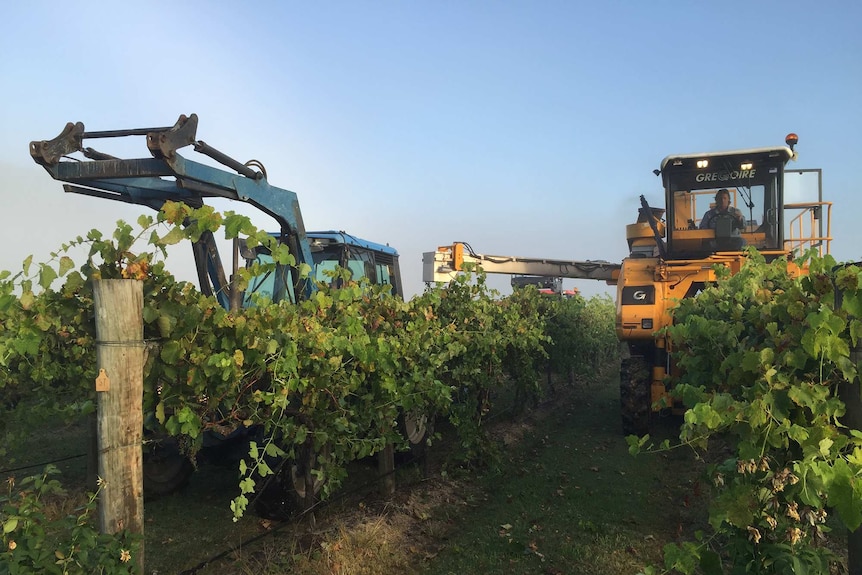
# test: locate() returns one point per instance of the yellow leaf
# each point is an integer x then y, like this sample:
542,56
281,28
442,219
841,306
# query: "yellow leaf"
66,264
27,299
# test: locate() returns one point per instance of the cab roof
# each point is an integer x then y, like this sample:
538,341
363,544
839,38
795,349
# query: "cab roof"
350,240
753,152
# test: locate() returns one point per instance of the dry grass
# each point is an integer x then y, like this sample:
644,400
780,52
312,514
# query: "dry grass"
370,538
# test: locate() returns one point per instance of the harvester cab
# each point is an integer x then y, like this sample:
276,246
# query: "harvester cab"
697,226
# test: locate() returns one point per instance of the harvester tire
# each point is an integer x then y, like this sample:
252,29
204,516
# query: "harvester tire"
635,395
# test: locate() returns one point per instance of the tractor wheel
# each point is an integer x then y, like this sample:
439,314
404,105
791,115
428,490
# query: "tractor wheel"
166,468
416,428
306,485
635,395
286,493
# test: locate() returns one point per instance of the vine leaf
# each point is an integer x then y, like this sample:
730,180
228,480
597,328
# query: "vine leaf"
175,236
66,264
46,276
845,494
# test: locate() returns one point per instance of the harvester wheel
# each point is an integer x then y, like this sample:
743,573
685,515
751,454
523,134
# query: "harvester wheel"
635,395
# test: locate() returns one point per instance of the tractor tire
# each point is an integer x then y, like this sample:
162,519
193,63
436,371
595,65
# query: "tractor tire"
166,468
286,494
635,405
416,428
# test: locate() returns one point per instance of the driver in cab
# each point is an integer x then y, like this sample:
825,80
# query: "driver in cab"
722,207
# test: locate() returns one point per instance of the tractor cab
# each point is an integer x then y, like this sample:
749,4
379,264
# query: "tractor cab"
377,263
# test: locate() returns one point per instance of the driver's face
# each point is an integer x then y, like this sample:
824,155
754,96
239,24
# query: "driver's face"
723,202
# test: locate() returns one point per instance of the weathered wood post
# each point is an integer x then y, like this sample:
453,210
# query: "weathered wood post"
120,355
386,470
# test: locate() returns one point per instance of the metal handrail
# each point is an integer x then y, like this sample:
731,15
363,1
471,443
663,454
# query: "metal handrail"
802,236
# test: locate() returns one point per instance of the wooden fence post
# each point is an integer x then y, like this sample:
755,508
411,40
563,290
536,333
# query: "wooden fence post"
120,355
385,470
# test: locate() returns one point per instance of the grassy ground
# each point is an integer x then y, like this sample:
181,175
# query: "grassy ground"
566,498
572,500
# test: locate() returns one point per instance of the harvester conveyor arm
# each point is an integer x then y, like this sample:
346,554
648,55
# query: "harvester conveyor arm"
443,264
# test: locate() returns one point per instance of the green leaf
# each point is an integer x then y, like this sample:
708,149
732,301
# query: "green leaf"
845,495
247,485
66,264
852,303
736,506
798,433
301,434
74,282
710,563
751,361
10,525
273,450
6,301
171,352
234,224
145,221
175,236
46,275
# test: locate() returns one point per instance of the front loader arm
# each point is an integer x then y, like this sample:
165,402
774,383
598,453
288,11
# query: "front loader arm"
168,176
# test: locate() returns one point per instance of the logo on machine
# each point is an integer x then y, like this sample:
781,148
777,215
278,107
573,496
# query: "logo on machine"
725,176
641,295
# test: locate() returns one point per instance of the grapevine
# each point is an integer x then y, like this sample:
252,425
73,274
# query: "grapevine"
763,356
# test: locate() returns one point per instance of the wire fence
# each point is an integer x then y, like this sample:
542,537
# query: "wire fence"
42,464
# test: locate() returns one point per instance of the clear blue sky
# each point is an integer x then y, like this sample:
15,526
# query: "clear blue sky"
525,128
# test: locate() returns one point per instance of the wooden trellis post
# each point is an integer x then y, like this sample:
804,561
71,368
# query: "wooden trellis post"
120,357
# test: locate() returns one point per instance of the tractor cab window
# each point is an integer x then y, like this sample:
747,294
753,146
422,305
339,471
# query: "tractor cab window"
379,267
265,284
699,220
358,261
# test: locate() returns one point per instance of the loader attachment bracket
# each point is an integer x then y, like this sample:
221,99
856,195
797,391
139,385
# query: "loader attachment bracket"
49,152
165,143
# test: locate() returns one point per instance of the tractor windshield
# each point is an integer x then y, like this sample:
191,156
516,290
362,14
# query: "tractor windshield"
331,250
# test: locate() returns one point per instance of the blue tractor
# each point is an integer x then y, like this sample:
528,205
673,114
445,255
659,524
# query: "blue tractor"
168,176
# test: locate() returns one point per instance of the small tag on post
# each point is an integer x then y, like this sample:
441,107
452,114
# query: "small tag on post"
102,381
